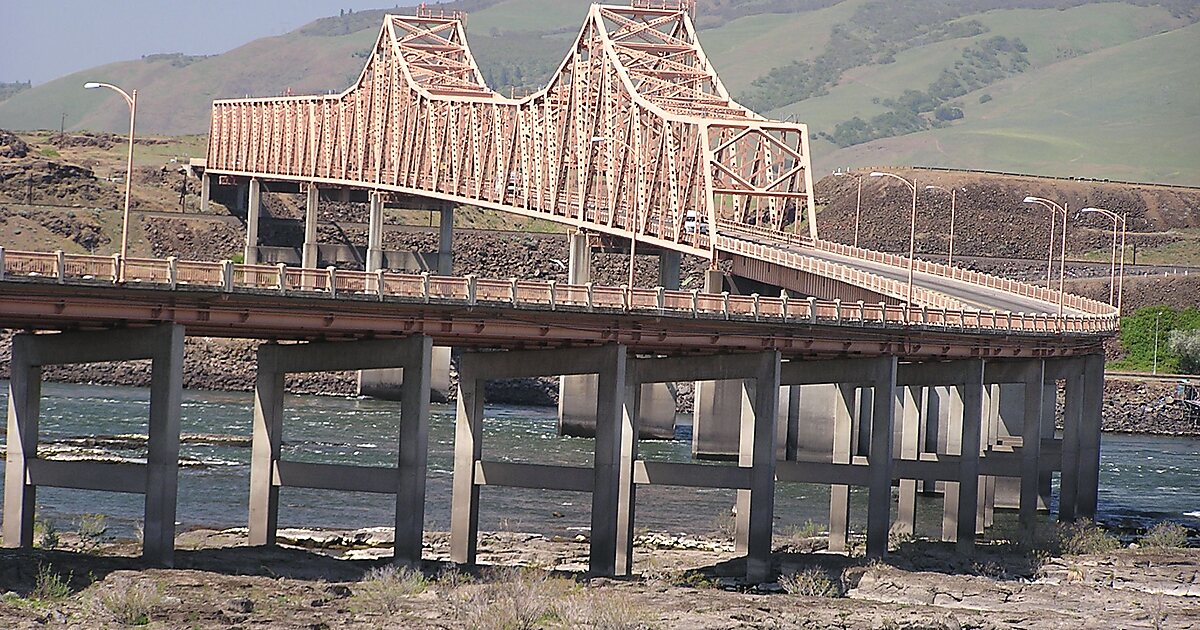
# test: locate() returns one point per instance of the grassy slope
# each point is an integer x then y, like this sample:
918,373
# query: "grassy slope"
1125,112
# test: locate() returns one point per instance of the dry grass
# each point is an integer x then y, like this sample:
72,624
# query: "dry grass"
387,588
129,603
1165,535
810,582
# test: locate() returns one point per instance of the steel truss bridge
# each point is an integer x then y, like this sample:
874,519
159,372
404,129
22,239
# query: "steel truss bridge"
634,137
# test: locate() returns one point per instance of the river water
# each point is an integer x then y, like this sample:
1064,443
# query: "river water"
1143,479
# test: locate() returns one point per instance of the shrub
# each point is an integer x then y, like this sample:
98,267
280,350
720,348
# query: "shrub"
811,582
92,531
1084,537
130,603
49,586
45,533
1165,535
513,599
387,588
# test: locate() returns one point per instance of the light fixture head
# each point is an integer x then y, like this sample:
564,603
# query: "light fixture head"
91,85
1030,199
1091,210
877,174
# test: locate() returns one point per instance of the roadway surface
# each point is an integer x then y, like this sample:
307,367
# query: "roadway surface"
972,295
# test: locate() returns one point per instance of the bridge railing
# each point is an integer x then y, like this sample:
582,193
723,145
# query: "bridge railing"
226,276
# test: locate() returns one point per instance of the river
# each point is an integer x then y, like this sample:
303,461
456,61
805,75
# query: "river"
1143,479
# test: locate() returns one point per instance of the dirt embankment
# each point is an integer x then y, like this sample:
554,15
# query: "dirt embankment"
990,219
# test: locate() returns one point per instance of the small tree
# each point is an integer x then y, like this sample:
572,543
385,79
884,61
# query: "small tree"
1185,344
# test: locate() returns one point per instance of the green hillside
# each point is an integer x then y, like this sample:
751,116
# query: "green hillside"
1077,87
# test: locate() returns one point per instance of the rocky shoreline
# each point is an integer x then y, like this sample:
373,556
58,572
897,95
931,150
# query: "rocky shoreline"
324,579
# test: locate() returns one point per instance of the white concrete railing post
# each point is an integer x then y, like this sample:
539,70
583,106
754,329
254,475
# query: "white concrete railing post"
783,304
725,303
60,266
116,268
590,296
227,275
660,298
553,301
862,313
172,272
812,310
757,310
837,310
381,283
627,296
471,289
425,286
883,312
695,302
332,272
1,263
512,290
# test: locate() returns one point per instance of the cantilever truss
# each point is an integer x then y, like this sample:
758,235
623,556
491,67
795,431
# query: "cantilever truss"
634,135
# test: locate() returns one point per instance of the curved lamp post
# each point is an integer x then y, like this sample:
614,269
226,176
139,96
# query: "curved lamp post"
1054,209
131,100
1116,279
912,233
953,201
857,202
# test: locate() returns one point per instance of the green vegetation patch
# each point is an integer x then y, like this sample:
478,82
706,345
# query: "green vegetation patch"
1178,340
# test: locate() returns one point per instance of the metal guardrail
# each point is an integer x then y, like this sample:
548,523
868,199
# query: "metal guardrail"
226,276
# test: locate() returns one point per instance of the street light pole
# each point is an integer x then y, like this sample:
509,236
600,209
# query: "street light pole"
1154,370
953,201
912,234
131,100
857,204
1055,208
1116,283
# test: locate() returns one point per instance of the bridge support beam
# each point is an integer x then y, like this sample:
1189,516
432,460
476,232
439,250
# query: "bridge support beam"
205,192
374,260
269,472
826,460
445,260
576,416
472,471
758,376
253,210
157,479
308,256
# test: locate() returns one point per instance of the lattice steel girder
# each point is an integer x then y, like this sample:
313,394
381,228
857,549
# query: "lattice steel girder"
633,135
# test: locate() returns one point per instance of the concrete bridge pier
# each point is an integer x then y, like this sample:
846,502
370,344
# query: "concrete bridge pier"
1084,388
836,457
157,479
269,471
602,480
656,407
754,474
308,254
253,212
374,260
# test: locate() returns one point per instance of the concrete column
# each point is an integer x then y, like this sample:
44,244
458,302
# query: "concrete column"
669,262
756,506
375,234
844,408
309,253
253,209
1049,411
162,451
446,241
24,397
413,454
716,403
986,497
576,393
468,447
606,465
1088,484
1031,446
627,490
1068,486
880,460
909,432
205,192
267,438
954,423
968,467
